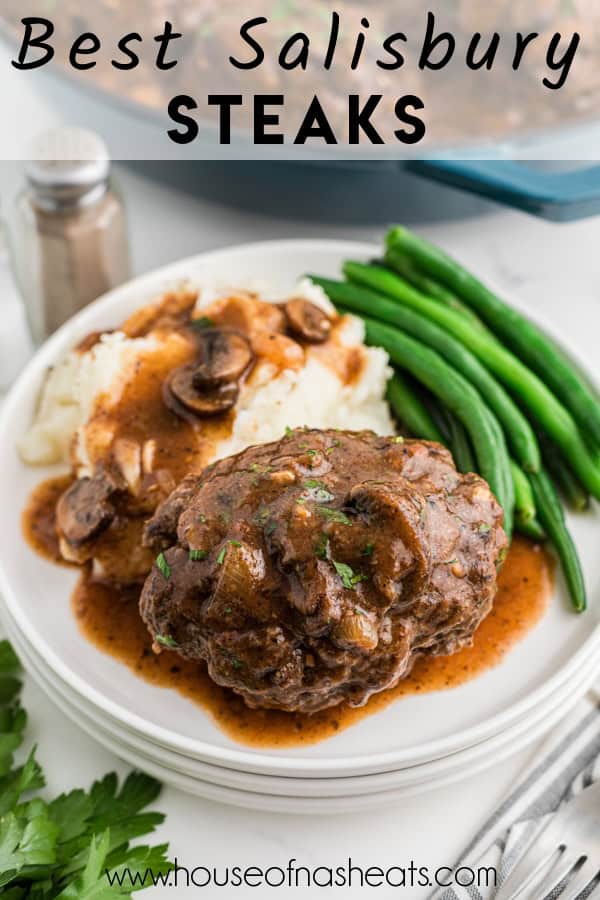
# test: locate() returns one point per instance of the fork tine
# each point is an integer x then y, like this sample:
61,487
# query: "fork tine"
564,864
595,895
537,856
580,880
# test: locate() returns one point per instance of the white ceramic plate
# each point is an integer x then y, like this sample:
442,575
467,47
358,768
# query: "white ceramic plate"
414,730
457,765
249,796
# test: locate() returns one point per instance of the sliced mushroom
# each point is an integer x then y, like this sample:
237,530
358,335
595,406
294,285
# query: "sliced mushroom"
181,394
84,510
307,321
224,356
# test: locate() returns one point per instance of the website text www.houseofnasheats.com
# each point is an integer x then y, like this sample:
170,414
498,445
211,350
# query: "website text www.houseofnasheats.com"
295,875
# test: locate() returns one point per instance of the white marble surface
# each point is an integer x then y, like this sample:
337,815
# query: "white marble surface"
548,265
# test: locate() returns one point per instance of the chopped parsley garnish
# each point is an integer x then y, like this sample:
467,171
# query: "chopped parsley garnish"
163,566
202,322
223,551
198,554
262,516
165,640
262,470
322,547
484,527
346,573
334,515
319,491
271,526
367,550
288,431
235,662
398,439
335,444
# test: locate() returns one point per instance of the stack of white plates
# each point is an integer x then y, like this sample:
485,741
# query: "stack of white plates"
415,744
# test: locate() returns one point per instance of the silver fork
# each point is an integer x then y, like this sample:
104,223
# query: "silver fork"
567,848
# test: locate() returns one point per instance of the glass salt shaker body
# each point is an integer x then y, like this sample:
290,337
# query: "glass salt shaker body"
69,234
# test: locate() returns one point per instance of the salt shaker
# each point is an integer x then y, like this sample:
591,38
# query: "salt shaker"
69,235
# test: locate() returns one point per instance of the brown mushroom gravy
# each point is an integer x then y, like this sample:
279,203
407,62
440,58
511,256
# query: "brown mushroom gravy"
108,617
165,422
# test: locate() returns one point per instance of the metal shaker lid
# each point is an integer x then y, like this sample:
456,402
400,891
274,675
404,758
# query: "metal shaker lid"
68,165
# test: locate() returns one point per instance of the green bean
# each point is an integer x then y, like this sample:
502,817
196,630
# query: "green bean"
562,475
461,398
410,409
363,301
524,502
428,286
530,528
532,345
539,400
552,517
460,445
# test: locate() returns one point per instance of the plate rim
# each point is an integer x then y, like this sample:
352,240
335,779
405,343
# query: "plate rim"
152,282
44,676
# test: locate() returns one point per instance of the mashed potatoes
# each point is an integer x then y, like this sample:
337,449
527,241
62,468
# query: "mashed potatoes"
313,390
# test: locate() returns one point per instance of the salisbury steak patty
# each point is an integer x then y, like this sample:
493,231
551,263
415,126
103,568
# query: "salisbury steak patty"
317,568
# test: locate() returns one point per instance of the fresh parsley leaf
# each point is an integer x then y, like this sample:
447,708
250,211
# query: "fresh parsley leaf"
65,848
201,323
334,515
318,491
398,439
165,640
367,550
322,547
196,555
223,551
163,566
349,579
288,431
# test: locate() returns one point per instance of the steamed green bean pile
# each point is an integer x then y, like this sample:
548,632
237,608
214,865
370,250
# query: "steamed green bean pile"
474,374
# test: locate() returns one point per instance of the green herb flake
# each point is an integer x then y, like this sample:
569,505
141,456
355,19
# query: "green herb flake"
235,662
398,439
163,566
202,322
322,547
223,551
367,550
196,555
262,516
346,573
334,515
319,492
165,640
484,528
227,610
288,431
262,470
271,526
